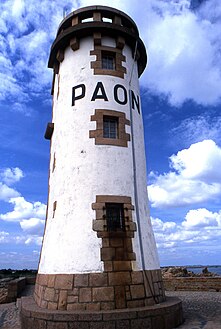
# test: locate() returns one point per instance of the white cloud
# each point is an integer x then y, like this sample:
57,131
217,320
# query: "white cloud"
200,161
33,226
201,229
28,31
37,240
11,175
195,177
22,108
10,87
30,215
8,238
183,53
18,8
24,210
4,237
20,239
171,237
202,218
160,226
6,193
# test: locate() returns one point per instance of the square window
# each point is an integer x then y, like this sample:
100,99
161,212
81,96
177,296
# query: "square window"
115,217
108,60
110,127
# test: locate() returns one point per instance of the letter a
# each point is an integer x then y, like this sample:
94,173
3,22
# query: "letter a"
99,89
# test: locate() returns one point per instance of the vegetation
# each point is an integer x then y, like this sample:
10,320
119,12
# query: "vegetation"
9,273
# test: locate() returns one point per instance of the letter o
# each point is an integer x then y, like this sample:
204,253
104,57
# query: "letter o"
116,88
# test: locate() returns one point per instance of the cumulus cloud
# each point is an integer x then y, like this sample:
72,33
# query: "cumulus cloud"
181,41
6,193
27,32
24,210
33,226
202,218
171,237
195,177
201,161
11,175
201,227
30,215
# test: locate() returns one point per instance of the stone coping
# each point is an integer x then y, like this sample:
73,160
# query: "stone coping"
87,29
13,289
166,315
88,11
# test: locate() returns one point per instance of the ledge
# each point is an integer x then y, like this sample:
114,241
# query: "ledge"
166,315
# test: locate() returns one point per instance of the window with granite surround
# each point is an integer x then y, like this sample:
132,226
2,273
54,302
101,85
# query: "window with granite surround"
109,61
110,128
115,226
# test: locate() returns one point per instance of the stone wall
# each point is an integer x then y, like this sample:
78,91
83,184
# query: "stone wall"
99,291
11,290
193,283
30,280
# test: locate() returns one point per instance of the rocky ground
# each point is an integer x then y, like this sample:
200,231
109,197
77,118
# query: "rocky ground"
181,271
9,313
202,310
9,316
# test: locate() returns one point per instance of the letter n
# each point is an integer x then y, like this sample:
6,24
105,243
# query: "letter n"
135,101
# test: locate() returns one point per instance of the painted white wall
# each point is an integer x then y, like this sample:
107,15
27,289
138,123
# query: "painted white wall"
84,170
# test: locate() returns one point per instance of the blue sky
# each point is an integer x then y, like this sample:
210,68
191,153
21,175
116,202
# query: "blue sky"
181,102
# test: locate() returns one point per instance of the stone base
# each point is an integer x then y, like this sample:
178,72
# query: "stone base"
166,315
99,291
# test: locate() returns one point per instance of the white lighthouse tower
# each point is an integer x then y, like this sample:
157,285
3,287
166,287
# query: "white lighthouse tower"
97,217
98,252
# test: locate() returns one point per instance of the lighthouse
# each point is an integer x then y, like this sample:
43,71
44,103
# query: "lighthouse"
97,226
98,252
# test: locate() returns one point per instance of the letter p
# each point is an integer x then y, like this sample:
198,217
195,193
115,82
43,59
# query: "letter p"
78,92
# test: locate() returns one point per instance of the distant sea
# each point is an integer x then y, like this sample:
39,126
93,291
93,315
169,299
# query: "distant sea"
198,269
